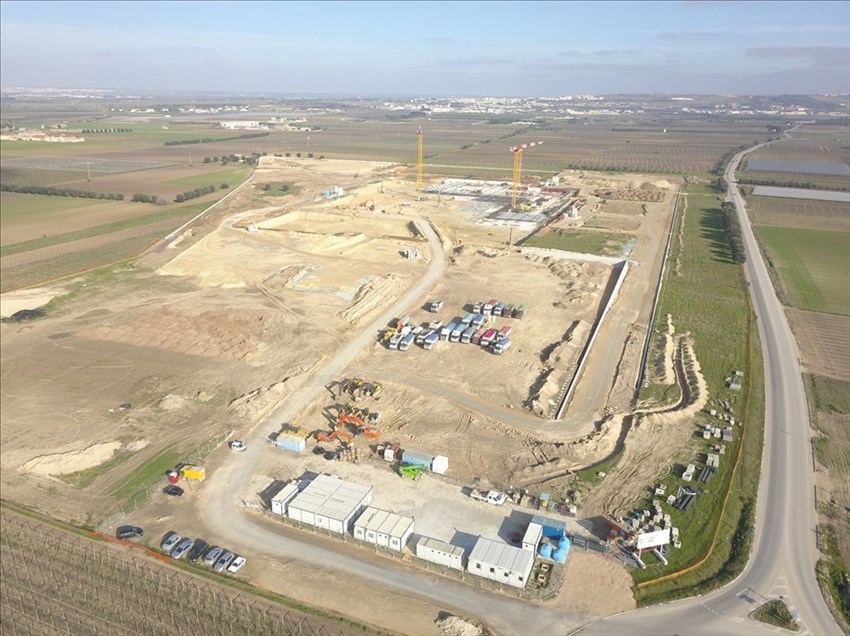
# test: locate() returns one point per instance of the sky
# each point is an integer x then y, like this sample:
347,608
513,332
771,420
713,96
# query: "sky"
429,48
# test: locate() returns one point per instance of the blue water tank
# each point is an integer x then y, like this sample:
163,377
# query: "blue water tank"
546,551
564,544
559,556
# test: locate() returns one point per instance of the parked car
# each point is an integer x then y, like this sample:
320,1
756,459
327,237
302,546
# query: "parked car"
182,548
237,564
238,445
169,541
174,491
212,555
129,532
197,550
224,560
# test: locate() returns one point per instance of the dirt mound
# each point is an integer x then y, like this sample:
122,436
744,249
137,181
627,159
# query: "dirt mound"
255,404
372,296
561,356
72,461
664,362
663,184
456,626
173,402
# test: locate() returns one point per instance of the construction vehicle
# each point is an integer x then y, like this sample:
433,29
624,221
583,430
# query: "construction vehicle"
390,452
435,306
342,434
356,387
517,150
360,426
411,471
493,497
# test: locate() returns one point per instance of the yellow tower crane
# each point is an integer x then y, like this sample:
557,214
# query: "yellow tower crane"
517,150
419,164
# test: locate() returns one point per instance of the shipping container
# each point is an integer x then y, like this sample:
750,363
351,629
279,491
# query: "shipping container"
466,336
441,553
294,443
417,458
440,464
193,473
476,337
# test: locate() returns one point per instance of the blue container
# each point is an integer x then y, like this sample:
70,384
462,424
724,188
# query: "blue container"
546,551
559,556
564,544
417,458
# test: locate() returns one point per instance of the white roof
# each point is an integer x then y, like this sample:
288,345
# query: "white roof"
383,522
331,497
287,492
502,555
533,533
441,546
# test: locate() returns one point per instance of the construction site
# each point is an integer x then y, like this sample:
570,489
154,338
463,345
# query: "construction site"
273,312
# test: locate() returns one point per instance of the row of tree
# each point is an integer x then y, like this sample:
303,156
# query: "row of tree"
138,197
91,131
732,227
197,192
61,192
206,140
805,185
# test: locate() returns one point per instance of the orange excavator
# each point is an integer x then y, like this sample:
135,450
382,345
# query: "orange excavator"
344,435
360,426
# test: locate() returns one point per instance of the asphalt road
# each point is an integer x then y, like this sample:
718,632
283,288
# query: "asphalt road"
784,552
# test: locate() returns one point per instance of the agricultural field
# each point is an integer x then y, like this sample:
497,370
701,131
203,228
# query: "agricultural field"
587,242
812,266
56,581
807,214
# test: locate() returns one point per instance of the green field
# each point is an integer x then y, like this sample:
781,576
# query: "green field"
146,474
709,300
813,267
600,243
14,206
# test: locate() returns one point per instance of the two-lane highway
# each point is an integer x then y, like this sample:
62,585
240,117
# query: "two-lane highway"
784,552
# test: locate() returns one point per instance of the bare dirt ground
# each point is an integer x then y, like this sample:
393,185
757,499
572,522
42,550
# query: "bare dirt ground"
229,321
595,585
824,342
32,298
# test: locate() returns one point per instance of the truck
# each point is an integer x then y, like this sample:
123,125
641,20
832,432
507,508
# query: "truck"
420,337
435,324
487,310
476,337
467,319
394,341
430,340
458,331
488,337
504,332
501,346
478,320
519,312
466,336
476,308
493,497
405,343
498,309
447,330
435,305
509,311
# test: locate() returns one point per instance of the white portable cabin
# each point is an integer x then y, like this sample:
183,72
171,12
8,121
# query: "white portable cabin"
533,535
281,500
500,562
440,552
440,464
330,503
383,528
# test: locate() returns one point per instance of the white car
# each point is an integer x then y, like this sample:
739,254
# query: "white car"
237,445
237,564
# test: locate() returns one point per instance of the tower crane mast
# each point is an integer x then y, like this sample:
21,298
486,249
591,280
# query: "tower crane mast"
517,150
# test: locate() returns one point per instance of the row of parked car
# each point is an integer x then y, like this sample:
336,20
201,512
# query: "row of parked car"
198,549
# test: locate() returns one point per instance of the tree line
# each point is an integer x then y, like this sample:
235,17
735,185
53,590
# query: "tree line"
198,192
805,185
61,192
732,227
206,140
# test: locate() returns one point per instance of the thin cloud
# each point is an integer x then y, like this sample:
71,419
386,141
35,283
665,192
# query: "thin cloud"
834,56
689,36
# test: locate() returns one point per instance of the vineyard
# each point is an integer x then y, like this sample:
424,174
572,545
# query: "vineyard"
56,582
